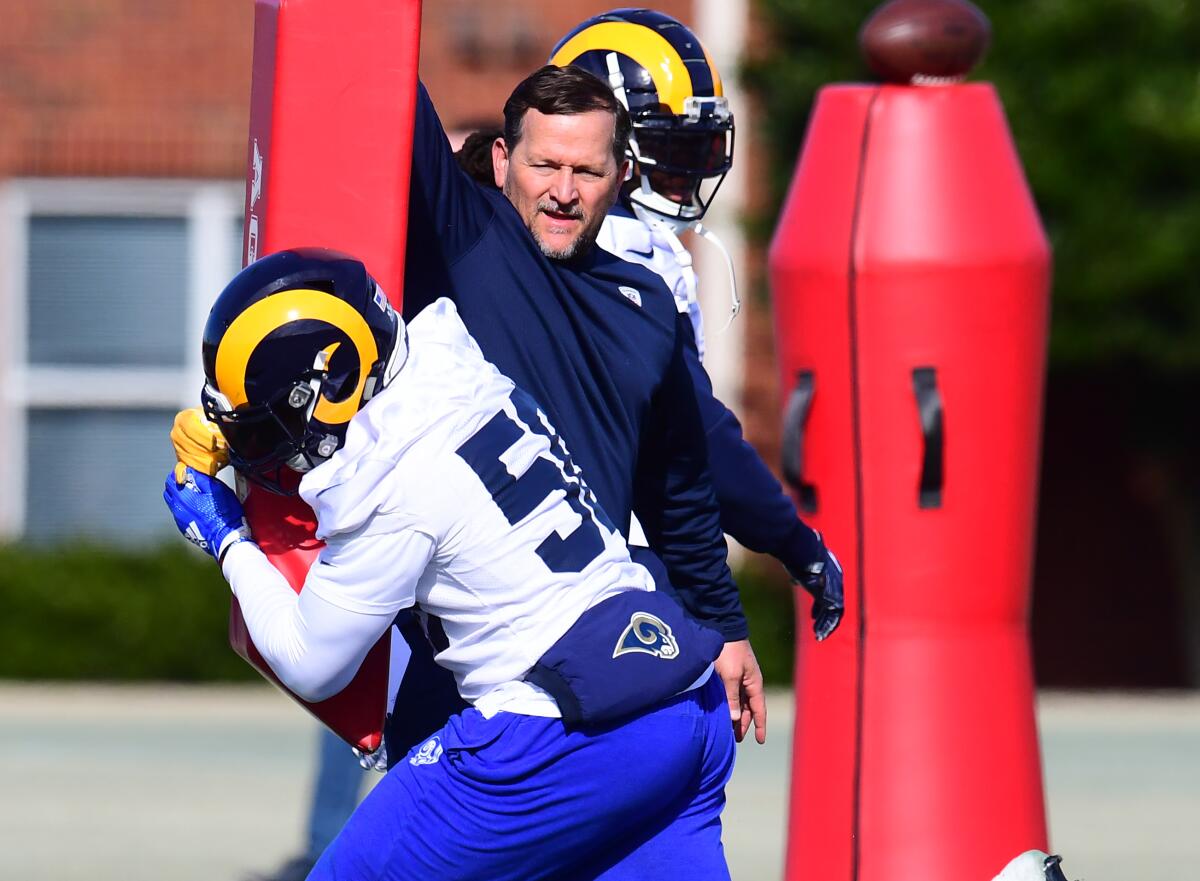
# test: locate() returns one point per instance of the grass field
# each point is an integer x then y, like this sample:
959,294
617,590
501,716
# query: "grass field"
149,783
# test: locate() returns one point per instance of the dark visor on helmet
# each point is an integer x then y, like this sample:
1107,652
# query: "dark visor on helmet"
704,151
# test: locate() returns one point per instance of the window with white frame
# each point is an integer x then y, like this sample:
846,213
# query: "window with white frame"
106,285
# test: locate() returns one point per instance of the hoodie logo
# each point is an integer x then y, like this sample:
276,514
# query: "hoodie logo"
649,634
633,295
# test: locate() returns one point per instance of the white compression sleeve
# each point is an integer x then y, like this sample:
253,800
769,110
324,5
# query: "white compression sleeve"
311,640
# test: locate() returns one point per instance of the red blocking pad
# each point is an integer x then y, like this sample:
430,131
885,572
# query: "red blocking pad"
910,276
331,114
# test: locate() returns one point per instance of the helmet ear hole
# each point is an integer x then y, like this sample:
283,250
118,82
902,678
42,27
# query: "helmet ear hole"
336,387
341,374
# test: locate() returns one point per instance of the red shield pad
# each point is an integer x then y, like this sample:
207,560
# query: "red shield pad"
331,113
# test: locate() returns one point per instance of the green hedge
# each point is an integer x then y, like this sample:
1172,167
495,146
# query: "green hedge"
161,614
90,613
1104,105
767,599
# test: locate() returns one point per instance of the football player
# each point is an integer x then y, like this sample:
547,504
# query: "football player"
680,150
595,723
681,147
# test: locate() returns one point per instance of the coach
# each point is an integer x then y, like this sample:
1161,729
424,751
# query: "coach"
596,340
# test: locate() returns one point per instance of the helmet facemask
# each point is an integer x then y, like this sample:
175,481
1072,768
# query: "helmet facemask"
679,160
681,146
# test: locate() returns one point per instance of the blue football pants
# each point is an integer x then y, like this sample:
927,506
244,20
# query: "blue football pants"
521,798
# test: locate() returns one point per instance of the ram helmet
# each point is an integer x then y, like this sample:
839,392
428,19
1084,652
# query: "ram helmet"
682,143
294,346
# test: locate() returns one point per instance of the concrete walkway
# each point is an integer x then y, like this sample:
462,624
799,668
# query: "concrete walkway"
205,784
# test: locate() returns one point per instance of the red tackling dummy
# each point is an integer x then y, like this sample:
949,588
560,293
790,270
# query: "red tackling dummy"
331,114
910,275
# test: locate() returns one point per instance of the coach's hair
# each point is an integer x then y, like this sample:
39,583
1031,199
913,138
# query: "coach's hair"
565,90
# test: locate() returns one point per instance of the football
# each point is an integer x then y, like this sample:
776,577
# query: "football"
924,41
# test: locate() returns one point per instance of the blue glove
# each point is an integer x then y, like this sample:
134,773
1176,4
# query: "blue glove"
206,511
823,579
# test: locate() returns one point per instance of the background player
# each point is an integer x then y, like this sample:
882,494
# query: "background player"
452,490
680,150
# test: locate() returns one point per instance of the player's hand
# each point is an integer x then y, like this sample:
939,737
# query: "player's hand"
738,669
823,579
206,511
198,444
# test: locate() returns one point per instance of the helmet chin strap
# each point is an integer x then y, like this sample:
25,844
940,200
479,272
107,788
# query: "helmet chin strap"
676,226
665,212
735,304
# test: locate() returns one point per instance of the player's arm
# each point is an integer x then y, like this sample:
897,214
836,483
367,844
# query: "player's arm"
316,640
675,502
757,512
447,211
680,524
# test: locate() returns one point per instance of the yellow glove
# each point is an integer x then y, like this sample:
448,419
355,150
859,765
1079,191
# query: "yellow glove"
198,444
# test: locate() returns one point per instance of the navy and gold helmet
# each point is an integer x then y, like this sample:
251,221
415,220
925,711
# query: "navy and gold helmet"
293,348
682,144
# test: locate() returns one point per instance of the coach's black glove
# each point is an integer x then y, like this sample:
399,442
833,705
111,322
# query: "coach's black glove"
823,579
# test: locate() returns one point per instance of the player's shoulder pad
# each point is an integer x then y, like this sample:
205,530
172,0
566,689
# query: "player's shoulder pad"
414,416
440,324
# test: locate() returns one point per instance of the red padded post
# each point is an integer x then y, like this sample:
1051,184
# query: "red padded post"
910,276
332,99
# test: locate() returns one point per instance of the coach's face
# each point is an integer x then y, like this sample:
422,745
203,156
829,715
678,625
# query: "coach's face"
561,177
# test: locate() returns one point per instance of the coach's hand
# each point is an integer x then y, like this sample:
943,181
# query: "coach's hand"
198,444
823,579
206,511
738,669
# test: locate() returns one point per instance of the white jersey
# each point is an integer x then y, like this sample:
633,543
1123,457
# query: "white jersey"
656,247
453,493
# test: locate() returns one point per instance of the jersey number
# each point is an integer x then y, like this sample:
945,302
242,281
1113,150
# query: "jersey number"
518,496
